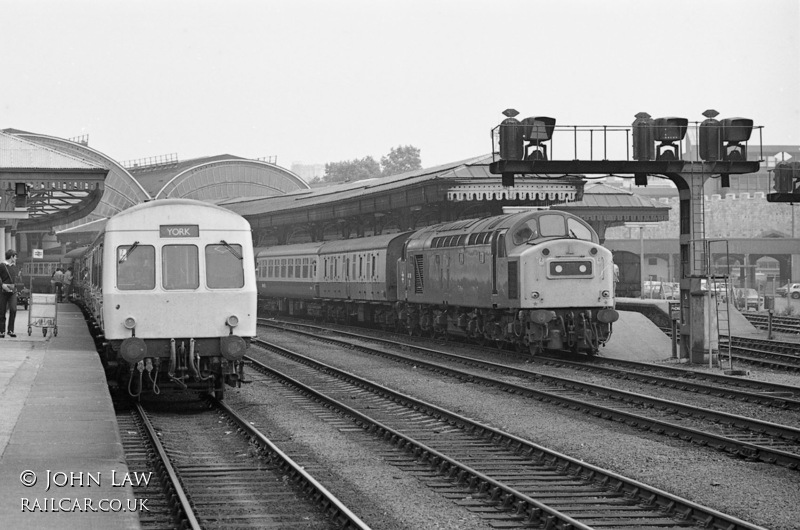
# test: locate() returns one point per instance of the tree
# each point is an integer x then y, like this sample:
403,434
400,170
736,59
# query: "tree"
400,159
351,170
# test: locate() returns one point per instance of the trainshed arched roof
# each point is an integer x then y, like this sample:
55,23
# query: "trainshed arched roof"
213,179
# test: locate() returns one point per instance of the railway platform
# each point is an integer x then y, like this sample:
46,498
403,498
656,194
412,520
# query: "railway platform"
62,464
637,338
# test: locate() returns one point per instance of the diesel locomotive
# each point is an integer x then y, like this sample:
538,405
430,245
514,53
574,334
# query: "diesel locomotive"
533,280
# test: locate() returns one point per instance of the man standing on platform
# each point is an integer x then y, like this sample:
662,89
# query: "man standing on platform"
58,282
8,295
68,283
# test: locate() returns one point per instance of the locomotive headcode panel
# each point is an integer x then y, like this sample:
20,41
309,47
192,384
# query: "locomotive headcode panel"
533,280
172,285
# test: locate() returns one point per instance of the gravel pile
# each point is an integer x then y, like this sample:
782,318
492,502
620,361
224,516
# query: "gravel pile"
386,497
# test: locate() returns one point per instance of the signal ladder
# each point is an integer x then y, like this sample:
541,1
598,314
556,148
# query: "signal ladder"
718,280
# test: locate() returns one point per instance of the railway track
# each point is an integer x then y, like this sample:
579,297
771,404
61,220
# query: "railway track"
698,382
215,470
730,432
772,353
777,354
780,324
508,480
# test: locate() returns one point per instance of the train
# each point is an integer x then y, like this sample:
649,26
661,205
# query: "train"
169,286
531,280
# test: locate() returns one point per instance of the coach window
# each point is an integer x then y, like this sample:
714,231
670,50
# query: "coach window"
291,268
224,266
179,267
136,269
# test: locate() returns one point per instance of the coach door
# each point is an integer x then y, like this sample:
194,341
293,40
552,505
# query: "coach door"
493,246
347,283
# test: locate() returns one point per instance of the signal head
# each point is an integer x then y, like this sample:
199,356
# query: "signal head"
669,129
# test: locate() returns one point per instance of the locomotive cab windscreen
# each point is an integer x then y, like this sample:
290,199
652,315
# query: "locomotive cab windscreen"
533,230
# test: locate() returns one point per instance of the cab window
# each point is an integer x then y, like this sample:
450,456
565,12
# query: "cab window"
136,267
179,267
225,266
578,230
551,226
527,232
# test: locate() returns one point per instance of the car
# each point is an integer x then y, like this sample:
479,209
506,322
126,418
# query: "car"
747,299
793,290
662,290
788,289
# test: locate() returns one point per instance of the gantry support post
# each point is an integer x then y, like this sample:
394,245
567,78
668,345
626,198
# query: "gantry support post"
693,260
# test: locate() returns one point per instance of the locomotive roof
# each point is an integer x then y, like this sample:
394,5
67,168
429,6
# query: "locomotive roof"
487,223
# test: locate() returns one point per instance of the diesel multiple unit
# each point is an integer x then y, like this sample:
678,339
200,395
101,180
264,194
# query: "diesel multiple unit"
170,285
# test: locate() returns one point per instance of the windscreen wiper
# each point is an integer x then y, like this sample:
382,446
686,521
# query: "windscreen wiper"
128,253
231,249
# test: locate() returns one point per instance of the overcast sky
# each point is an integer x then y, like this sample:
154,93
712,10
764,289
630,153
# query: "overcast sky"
318,81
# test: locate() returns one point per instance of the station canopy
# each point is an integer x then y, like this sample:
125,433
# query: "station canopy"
40,186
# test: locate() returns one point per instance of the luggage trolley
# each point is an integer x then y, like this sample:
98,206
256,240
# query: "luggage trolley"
43,313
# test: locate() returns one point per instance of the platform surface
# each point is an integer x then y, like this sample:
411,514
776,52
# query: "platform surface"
634,337
61,459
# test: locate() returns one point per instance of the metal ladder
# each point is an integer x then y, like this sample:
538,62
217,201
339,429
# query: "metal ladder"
699,257
719,248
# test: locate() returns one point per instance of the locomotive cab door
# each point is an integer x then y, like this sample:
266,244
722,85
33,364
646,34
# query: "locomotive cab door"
499,265
493,246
